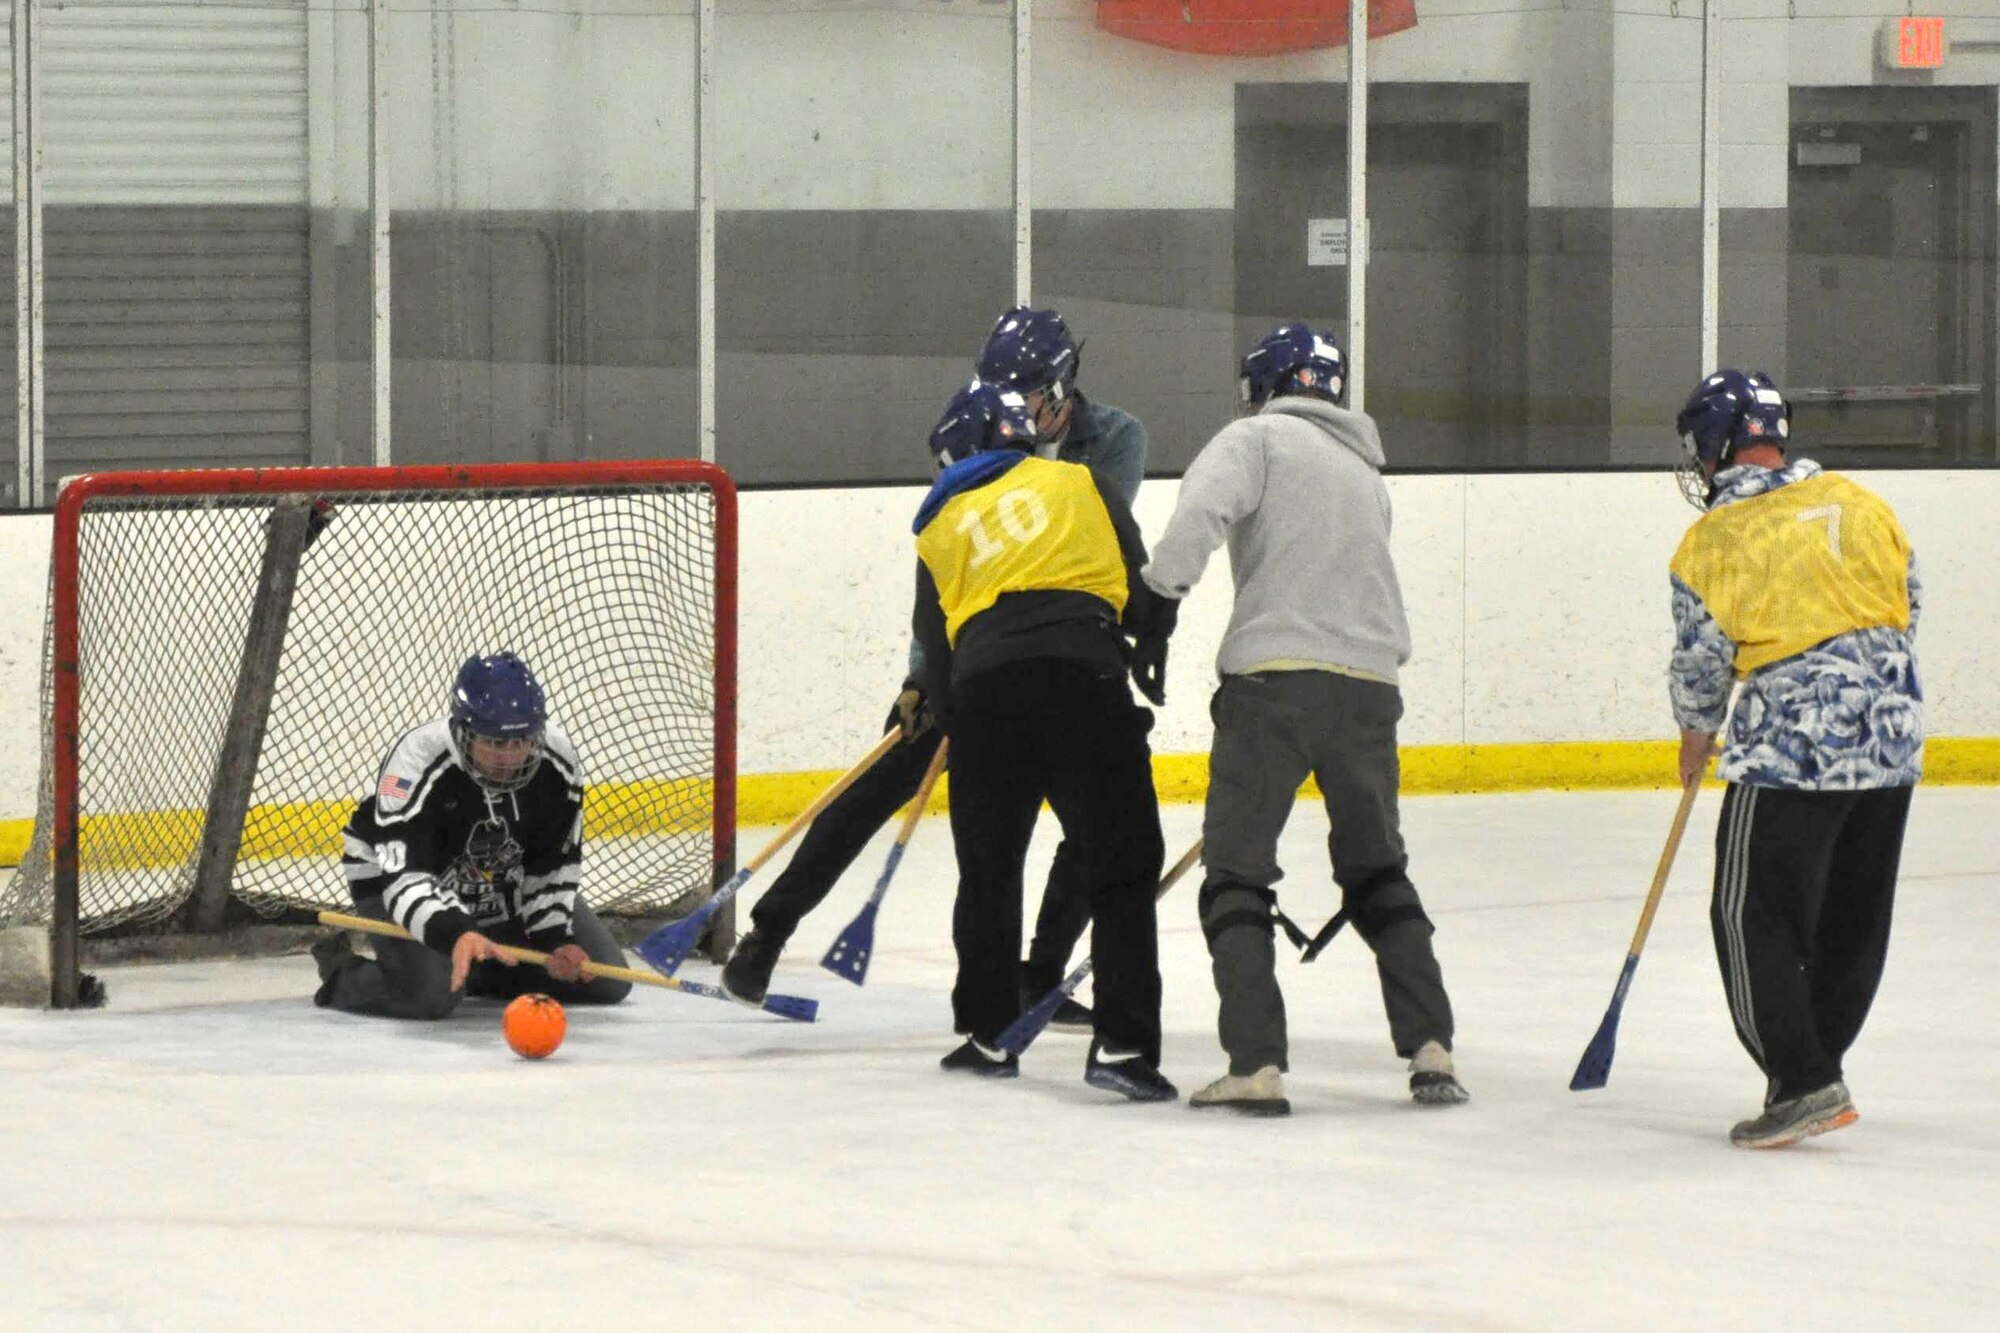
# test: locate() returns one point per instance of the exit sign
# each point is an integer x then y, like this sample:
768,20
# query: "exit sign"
1911,43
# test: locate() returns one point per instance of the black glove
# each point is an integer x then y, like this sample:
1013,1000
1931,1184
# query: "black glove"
911,712
1149,651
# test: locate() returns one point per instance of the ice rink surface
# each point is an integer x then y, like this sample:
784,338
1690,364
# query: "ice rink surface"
211,1152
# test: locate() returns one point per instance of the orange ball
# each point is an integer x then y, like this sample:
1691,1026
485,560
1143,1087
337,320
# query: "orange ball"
534,1025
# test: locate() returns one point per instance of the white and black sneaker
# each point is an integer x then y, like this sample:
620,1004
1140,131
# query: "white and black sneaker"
1072,1015
1432,1081
1128,1074
984,1061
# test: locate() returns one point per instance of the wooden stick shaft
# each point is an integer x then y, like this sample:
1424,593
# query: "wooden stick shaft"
1181,867
1666,864
826,798
923,797
370,926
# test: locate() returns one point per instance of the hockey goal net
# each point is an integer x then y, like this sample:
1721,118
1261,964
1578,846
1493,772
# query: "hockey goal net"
231,654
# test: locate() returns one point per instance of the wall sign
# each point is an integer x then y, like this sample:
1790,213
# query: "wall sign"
1911,43
1326,242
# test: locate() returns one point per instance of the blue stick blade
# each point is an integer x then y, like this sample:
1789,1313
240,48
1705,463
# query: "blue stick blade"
848,956
1021,1033
668,947
1593,1071
795,1007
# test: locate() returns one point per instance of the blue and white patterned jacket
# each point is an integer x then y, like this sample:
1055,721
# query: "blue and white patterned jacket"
1844,715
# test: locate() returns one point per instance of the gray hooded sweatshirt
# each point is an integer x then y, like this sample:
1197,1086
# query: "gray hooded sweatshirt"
1297,492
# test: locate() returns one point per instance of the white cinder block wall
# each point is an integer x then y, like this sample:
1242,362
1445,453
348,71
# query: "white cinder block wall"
1538,605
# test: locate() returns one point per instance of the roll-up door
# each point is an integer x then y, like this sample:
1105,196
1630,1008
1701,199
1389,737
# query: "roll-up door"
9,455
175,234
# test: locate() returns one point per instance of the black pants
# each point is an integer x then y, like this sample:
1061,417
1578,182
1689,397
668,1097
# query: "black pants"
837,836
1063,731
1804,886
412,980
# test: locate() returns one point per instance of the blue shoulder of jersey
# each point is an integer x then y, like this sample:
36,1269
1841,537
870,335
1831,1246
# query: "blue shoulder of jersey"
968,475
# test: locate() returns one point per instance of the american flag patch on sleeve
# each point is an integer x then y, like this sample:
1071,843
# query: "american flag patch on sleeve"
392,788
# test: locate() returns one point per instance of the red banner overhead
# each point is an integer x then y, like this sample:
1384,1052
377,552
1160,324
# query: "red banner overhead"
1247,27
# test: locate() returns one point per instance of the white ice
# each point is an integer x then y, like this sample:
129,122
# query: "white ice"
212,1152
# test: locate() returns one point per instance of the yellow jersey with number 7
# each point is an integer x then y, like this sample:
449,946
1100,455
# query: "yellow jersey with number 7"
1038,526
1796,566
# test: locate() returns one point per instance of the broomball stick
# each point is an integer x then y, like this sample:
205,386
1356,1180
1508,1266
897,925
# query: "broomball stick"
1593,1071
848,957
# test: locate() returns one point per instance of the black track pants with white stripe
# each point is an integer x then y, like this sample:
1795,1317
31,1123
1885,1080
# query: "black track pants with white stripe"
1804,886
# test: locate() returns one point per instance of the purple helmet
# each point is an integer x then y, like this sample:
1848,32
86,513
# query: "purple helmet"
982,417
1727,411
1031,351
497,698
1292,359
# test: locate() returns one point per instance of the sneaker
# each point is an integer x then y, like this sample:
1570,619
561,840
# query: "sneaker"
984,1061
330,955
1785,1123
1432,1082
747,974
1128,1074
1261,1093
1071,1015
90,992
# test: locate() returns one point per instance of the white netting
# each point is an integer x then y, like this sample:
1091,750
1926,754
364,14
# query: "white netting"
609,593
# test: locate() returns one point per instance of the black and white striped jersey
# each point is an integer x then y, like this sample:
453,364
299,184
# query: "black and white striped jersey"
445,856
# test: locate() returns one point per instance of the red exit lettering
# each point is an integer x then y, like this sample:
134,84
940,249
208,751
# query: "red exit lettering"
1920,43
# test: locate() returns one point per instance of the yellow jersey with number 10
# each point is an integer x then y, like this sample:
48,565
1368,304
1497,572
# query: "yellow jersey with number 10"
1039,526
1796,566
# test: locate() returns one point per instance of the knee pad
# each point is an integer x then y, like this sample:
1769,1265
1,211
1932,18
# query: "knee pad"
1382,903
1225,906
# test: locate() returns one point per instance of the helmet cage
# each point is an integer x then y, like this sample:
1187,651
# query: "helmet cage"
497,699
1727,411
463,738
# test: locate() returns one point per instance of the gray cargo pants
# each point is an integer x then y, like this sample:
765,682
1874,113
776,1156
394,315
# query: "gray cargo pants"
1271,730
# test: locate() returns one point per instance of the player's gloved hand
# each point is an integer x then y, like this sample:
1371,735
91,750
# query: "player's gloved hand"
473,947
912,712
1149,652
1149,669
566,962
